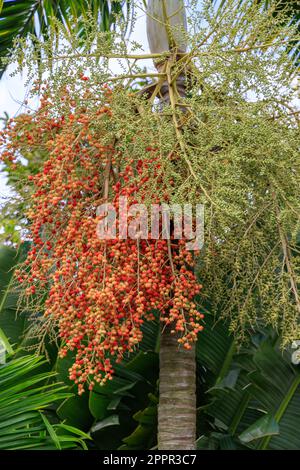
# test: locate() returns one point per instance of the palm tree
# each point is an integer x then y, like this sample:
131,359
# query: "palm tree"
177,377
177,407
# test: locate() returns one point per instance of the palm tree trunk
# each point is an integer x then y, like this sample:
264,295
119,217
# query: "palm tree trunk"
177,395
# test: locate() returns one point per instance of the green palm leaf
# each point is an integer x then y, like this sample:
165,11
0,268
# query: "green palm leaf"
252,395
276,386
19,18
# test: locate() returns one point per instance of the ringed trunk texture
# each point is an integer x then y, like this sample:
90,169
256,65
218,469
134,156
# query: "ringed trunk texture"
177,395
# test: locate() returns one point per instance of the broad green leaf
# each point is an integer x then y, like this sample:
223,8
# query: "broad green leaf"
19,18
112,420
265,426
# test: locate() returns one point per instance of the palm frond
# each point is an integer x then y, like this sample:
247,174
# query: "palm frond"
19,18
